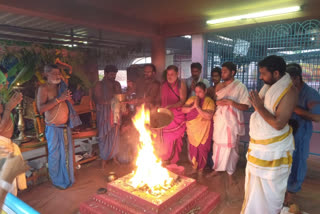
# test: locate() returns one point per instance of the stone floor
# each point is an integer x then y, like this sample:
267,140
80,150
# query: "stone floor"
47,199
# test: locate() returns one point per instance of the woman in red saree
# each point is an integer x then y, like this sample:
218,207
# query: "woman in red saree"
199,110
173,97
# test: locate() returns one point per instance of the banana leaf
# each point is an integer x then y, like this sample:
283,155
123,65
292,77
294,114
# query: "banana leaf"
3,78
24,75
4,95
13,71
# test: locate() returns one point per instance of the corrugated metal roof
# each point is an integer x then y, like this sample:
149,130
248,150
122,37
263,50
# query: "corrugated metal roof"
43,25
36,23
39,30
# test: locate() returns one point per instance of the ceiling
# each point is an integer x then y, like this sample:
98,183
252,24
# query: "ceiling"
127,21
36,29
180,11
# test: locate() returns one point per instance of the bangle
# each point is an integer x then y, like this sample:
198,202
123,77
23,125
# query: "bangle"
5,185
58,101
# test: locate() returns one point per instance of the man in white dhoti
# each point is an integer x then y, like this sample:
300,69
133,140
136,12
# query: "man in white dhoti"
271,141
232,100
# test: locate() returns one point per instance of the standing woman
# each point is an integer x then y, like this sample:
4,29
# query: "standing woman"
173,97
199,110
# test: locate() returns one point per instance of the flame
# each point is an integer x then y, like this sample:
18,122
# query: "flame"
149,171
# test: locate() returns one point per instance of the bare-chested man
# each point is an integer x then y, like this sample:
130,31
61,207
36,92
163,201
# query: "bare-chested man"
53,100
271,141
6,132
108,130
148,89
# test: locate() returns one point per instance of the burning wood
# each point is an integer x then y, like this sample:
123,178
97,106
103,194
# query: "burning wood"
160,189
149,174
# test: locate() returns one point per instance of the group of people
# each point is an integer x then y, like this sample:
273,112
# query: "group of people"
280,133
206,118
212,118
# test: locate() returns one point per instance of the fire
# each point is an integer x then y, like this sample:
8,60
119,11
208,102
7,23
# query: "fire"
149,172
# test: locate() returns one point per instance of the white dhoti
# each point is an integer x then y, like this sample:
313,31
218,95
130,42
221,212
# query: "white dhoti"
269,156
264,196
226,159
228,126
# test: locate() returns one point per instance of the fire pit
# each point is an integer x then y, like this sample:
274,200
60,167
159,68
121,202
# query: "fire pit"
151,188
155,198
184,197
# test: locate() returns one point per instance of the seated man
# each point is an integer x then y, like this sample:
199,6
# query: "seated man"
12,168
6,131
53,99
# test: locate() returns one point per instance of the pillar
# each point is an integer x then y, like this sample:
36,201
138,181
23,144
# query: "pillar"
199,52
158,54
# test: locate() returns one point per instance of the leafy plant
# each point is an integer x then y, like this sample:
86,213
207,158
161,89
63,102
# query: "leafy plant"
30,59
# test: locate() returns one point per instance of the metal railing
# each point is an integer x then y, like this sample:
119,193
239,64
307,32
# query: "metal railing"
297,42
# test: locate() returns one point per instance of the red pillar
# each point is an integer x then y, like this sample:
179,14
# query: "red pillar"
158,54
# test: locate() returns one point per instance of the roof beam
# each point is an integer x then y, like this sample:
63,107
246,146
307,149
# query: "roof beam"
56,42
7,29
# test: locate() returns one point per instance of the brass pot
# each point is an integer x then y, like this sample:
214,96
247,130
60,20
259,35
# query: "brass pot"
121,97
161,118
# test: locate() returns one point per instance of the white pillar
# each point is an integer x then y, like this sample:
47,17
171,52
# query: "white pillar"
199,51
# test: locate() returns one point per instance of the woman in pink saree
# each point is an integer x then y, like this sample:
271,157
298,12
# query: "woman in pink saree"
199,110
173,97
